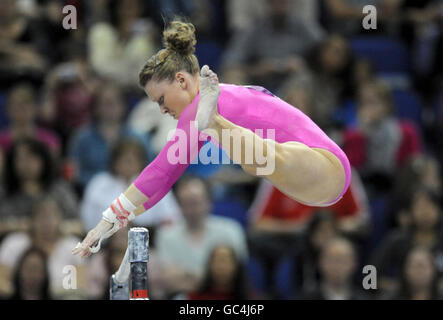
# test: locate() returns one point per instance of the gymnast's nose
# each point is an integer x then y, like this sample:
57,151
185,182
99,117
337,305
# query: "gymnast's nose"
164,110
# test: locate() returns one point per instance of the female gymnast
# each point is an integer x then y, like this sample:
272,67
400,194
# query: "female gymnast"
307,165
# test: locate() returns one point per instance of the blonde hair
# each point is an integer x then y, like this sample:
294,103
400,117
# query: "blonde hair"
178,55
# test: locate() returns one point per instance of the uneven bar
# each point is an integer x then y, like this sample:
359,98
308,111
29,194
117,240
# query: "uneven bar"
138,243
131,279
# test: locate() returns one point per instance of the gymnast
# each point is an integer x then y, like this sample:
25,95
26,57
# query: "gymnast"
307,165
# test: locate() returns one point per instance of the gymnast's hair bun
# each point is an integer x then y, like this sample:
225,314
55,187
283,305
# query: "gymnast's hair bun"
179,37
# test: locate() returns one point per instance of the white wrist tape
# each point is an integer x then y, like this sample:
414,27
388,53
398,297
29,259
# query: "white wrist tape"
120,212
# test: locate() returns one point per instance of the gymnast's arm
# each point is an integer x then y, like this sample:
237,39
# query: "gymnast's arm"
150,187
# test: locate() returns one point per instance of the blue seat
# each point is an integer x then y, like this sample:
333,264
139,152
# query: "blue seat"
208,52
3,115
206,170
283,276
346,114
386,54
231,209
255,274
408,106
379,218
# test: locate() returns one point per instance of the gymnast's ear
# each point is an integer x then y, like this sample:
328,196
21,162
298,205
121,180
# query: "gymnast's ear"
180,77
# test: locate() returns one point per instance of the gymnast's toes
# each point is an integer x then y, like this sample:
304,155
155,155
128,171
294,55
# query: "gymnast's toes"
205,71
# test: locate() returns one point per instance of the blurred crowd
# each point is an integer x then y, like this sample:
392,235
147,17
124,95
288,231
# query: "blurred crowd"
75,130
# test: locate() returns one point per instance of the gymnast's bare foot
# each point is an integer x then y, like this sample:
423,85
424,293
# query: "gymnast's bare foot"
209,93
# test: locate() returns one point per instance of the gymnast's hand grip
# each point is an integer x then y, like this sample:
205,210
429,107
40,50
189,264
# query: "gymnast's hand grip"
109,233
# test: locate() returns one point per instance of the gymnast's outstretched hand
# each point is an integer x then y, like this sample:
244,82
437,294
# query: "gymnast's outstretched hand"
92,239
118,215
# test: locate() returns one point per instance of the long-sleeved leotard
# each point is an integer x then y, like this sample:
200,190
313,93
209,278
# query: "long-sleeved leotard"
248,107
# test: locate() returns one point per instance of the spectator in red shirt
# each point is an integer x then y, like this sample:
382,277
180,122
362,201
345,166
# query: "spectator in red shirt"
379,144
21,110
273,212
278,223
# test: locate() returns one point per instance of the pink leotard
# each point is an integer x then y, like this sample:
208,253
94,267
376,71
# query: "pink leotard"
248,107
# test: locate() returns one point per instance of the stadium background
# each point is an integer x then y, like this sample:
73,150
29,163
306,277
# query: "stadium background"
76,128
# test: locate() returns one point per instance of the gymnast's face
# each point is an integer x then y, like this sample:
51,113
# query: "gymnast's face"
173,97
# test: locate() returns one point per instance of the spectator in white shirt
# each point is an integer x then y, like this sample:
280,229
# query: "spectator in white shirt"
119,50
183,248
127,160
47,235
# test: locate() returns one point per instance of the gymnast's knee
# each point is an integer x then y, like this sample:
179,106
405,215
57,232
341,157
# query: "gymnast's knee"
332,190
318,200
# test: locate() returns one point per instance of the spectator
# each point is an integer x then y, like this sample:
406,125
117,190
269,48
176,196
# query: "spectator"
20,44
97,276
424,230
332,65
283,40
116,249
170,8
183,248
2,164
118,51
337,265
22,108
45,233
96,11
127,160
31,278
329,82
108,261
345,16
419,279
322,228
277,223
378,144
200,13
224,279
363,71
438,144
146,119
298,91
90,146
30,174
68,94
49,22
421,170
64,96
101,266
243,13
230,183
108,264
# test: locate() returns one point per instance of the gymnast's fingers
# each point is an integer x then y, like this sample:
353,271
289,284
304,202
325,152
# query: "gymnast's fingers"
83,248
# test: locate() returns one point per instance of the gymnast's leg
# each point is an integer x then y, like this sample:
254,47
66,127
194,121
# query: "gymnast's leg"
307,175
